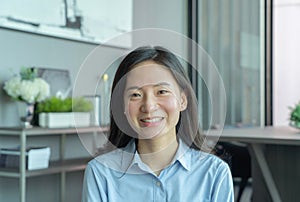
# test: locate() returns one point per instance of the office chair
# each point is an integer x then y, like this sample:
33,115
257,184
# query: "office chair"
238,158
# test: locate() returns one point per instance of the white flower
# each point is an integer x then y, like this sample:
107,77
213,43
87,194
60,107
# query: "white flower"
44,89
30,91
12,87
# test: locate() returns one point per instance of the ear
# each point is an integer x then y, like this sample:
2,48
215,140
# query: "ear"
183,101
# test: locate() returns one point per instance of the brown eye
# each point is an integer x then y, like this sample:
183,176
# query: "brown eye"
135,95
163,92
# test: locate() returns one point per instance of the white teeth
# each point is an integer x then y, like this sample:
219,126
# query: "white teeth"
151,120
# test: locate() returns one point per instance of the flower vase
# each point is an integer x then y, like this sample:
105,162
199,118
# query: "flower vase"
26,112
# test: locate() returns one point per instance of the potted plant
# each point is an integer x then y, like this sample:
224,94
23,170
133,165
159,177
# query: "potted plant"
27,89
69,112
295,116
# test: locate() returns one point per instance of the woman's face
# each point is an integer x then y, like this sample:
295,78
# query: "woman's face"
153,100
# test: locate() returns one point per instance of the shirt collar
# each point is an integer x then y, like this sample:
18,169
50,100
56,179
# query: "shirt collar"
183,155
132,163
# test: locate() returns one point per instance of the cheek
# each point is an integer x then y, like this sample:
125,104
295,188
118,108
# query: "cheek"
131,109
171,104
128,106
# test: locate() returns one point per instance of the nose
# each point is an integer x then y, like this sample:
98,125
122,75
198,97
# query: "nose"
149,104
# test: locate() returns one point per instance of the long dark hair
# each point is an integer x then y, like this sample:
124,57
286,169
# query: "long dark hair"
187,126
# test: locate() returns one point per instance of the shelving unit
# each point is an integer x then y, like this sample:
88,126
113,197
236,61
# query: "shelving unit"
62,166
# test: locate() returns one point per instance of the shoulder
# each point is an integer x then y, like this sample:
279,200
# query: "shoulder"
212,170
116,160
107,159
215,175
208,161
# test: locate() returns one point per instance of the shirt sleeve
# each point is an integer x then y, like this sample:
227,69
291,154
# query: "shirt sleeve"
223,186
93,186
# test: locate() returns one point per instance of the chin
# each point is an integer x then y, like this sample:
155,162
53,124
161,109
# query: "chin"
148,134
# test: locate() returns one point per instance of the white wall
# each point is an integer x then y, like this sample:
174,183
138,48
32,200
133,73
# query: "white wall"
166,14
286,59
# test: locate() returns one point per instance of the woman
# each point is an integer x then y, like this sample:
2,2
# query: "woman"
156,149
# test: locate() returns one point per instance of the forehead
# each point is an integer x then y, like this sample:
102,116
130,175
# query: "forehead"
149,72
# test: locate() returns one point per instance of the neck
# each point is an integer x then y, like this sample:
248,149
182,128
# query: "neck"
157,152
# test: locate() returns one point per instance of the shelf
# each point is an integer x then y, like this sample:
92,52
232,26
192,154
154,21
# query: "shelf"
54,167
60,167
38,131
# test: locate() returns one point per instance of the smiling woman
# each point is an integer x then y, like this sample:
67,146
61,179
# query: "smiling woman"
153,105
155,143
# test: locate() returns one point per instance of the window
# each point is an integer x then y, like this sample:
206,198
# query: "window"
232,33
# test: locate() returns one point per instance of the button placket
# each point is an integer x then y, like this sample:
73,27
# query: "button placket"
159,192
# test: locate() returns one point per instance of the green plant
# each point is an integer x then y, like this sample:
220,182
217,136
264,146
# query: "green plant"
295,113
28,73
55,104
82,105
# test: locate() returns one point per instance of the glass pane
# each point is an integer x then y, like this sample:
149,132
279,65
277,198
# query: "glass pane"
232,33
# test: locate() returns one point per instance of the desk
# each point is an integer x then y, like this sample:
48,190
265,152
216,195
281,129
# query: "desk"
275,151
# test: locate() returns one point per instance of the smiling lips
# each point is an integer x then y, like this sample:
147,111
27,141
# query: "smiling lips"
154,121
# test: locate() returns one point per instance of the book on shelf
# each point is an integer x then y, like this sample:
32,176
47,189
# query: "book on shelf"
36,157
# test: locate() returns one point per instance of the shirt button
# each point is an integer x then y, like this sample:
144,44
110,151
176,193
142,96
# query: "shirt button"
158,184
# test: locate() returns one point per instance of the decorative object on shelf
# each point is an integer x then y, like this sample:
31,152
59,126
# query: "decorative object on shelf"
26,113
58,79
36,157
295,116
56,112
64,120
26,87
105,100
95,113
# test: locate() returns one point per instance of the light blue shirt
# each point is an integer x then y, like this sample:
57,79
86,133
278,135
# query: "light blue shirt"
193,175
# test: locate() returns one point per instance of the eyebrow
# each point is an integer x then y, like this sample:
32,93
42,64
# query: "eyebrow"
138,88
